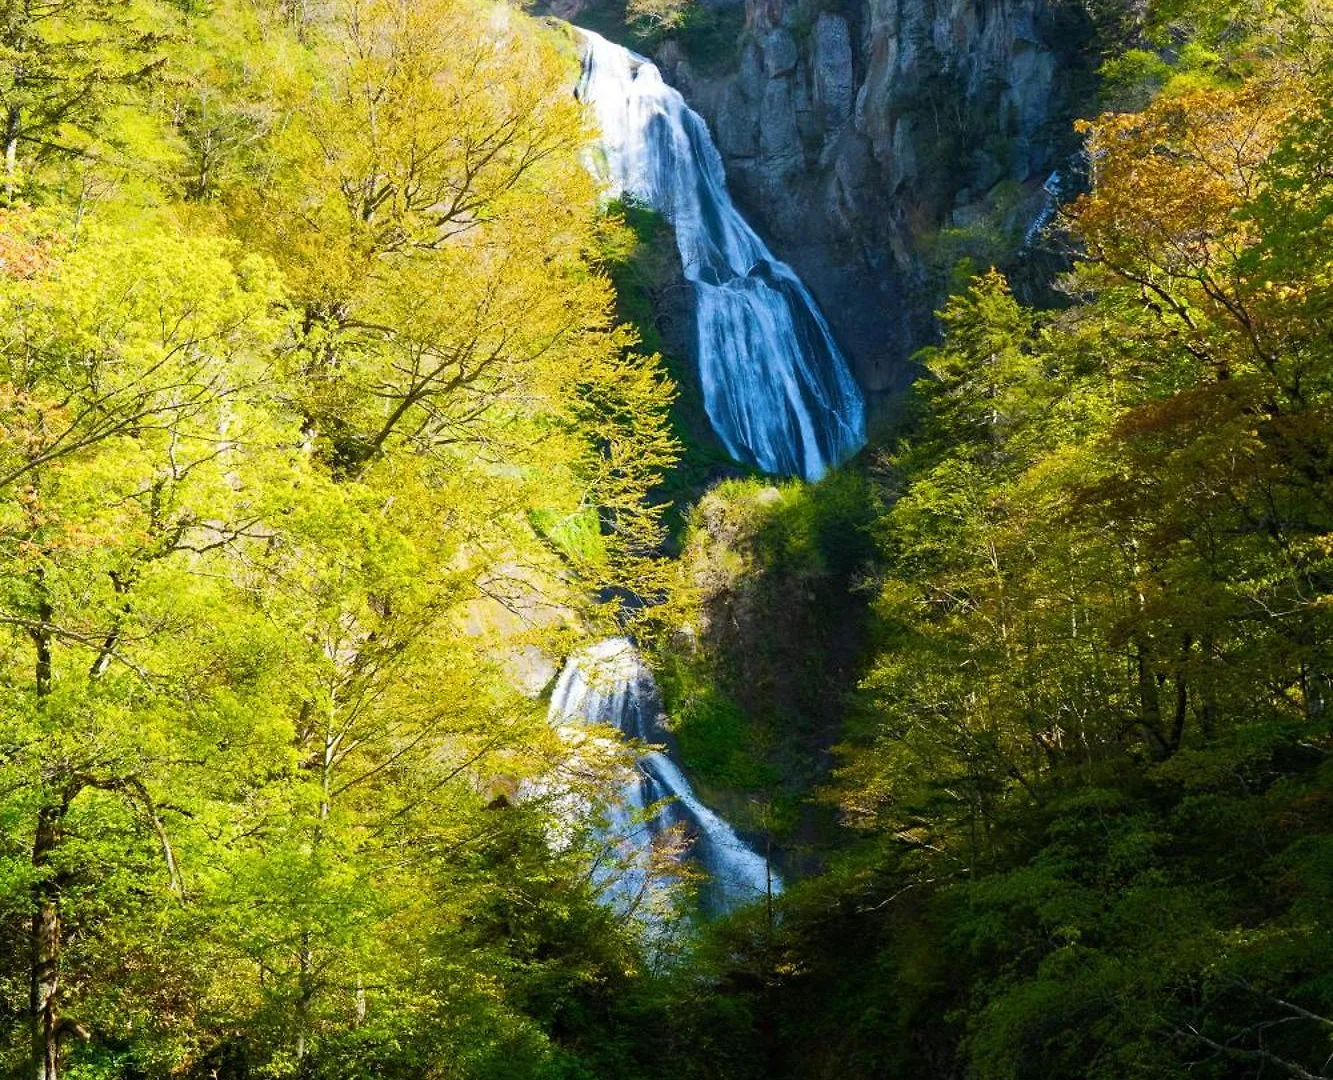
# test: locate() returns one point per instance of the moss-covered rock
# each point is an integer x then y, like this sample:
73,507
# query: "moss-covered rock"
756,691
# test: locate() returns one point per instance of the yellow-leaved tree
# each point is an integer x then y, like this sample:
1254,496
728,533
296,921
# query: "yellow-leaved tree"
321,442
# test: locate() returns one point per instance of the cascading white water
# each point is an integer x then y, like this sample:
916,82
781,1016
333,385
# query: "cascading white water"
779,394
1051,193
776,387
608,683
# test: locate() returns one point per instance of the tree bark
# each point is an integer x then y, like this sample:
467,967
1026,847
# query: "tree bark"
1150,703
13,125
47,934
46,946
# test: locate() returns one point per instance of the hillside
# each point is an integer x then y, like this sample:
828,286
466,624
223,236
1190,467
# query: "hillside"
523,561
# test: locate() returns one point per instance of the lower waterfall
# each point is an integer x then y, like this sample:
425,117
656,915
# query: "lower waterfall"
609,683
776,387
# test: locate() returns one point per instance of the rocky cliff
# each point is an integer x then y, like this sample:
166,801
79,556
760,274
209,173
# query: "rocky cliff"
875,142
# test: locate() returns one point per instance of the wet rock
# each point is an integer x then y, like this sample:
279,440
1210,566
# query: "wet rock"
780,54
734,126
849,134
778,138
832,62
750,76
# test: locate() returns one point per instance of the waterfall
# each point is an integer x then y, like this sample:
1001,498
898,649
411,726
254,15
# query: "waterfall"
777,390
779,394
1051,202
608,683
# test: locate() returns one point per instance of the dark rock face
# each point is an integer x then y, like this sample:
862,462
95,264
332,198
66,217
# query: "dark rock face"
853,134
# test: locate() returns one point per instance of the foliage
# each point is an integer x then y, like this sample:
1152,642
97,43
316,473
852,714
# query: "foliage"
656,16
1089,758
636,248
762,679
317,427
323,434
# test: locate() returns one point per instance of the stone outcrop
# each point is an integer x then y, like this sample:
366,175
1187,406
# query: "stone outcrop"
854,134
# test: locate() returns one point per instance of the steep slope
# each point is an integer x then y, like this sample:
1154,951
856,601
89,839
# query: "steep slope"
854,135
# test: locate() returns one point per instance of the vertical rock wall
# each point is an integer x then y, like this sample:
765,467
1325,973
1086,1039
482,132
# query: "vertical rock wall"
854,130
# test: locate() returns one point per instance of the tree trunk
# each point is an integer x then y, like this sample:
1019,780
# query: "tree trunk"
306,994
47,936
46,942
13,125
1182,696
1150,703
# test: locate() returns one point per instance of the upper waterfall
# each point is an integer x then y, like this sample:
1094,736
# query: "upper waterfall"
777,389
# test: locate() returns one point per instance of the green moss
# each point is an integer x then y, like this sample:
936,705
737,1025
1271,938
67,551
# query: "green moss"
717,742
639,260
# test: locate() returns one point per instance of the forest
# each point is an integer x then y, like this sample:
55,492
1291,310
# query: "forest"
335,416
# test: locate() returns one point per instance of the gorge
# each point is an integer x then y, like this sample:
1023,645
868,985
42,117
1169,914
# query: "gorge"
777,391
757,540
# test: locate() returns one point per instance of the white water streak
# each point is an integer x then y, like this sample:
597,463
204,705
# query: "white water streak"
608,683
776,387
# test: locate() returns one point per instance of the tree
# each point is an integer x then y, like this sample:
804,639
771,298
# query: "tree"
657,16
132,373
62,67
